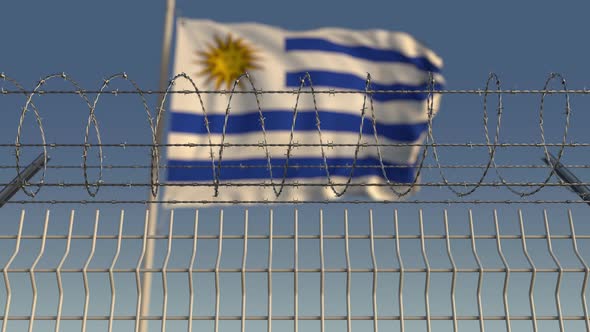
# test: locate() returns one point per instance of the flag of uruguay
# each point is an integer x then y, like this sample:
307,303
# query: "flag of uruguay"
214,55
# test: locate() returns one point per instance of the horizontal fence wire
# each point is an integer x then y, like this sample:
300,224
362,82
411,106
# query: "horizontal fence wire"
431,171
368,269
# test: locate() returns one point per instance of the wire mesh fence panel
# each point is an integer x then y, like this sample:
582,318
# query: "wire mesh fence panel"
333,271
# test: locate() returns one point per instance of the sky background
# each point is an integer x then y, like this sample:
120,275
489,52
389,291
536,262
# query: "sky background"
522,42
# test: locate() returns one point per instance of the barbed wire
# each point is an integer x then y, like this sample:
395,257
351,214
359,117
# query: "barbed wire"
294,91
164,166
297,145
297,184
278,183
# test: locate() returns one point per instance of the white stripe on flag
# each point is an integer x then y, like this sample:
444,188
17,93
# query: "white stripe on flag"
289,193
405,155
406,112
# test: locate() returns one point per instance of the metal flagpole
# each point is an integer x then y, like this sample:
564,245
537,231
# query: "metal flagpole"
153,207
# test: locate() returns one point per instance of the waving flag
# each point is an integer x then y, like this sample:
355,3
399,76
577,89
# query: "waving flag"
215,55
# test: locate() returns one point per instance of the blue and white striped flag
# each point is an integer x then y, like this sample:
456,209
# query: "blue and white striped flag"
214,55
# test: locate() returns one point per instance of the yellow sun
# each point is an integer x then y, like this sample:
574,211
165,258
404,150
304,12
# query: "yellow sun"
226,60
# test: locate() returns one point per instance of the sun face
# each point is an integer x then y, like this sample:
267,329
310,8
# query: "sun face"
226,60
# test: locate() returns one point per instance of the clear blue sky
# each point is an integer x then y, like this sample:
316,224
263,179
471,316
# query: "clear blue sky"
521,41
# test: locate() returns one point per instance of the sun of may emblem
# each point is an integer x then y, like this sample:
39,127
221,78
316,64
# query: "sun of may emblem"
226,60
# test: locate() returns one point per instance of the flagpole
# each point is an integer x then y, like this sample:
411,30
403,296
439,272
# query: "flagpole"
153,207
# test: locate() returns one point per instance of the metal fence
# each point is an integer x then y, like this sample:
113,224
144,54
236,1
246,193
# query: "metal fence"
509,262
303,275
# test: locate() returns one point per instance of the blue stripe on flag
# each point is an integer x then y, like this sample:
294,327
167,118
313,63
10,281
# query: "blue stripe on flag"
351,81
361,52
283,119
183,173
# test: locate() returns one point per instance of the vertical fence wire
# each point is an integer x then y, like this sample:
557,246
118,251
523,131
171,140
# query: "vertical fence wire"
559,275
375,271
269,274
322,273
217,266
427,279
295,271
243,273
191,268
401,273
165,273
32,271
85,272
348,273
586,269
533,274
454,271
59,271
138,285
506,275
480,273
5,272
112,274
